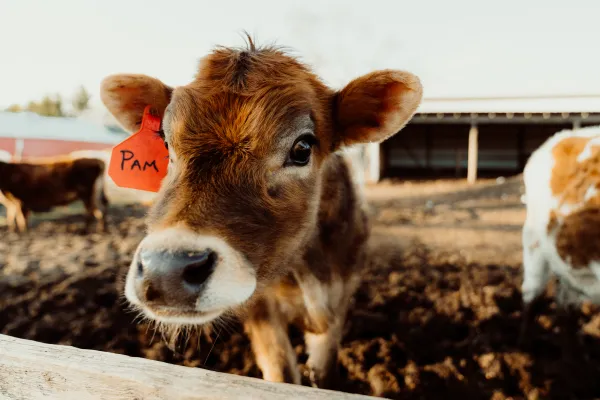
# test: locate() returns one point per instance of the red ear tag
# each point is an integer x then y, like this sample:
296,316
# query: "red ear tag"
141,160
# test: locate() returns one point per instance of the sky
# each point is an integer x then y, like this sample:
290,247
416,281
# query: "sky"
459,48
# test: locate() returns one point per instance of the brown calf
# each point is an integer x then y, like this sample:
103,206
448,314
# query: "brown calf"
258,216
38,187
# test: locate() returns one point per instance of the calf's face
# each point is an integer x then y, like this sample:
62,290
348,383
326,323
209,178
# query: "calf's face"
247,140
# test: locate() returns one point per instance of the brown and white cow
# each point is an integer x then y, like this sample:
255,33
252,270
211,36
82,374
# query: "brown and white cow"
258,216
561,234
40,186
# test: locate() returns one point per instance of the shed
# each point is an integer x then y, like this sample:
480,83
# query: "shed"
471,137
26,135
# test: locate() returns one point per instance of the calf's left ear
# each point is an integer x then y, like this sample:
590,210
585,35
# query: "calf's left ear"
376,106
127,95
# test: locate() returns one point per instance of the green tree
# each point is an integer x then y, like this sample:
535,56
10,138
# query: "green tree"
34,107
50,107
81,100
57,107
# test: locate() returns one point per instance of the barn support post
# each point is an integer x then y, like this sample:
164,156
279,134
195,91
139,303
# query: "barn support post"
472,153
373,162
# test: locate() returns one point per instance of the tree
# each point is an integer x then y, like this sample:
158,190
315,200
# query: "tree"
52,106
48,107
57,107
81,100
14,108
34,107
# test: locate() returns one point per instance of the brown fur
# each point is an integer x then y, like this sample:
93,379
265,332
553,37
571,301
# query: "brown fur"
229,131
577,233
570,178
578,239
39,187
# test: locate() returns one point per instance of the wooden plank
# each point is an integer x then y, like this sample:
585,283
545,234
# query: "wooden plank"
32,370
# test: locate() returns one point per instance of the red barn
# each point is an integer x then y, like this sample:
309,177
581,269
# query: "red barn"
27,135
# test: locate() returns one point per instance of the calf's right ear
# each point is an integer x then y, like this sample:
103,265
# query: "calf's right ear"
127,95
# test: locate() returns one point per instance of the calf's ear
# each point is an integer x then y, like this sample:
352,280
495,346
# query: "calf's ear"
375,106
127,95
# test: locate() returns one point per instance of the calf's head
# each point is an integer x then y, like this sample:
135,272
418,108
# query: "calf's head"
247,140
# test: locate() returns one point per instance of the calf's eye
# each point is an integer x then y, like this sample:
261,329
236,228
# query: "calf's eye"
300,152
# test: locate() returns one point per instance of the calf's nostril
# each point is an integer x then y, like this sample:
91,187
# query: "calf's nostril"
198,271
150,293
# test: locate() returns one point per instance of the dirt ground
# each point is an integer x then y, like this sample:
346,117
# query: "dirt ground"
437,316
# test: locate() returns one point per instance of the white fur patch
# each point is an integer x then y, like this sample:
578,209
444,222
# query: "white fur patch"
588,150
321,298
183,320
591,192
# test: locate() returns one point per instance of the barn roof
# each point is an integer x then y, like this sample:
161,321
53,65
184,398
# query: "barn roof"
27,125
525,104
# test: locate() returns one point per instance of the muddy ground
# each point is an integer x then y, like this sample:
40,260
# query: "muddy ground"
436,317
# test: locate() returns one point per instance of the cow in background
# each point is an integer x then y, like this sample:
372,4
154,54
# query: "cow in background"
38,187
561,234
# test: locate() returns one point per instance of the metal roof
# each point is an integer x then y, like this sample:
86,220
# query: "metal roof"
27,125
525,104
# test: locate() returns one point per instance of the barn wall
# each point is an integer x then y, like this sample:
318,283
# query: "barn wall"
7,144
35,148
440,150
49,148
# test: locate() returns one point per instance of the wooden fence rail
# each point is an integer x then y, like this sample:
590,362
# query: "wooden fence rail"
32,370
